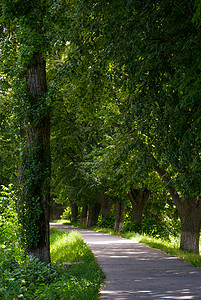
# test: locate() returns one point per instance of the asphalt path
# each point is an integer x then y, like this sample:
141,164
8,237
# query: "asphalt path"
136,271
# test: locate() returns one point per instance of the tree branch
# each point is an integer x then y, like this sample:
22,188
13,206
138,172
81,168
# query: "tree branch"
167,180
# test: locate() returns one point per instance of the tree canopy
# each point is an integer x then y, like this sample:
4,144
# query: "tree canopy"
120,82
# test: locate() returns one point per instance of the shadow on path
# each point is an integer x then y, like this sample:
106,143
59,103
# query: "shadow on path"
136,271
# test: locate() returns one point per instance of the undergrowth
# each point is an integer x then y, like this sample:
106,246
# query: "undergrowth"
23,277
33,279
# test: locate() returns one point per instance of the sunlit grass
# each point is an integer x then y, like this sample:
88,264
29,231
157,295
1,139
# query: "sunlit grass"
68,247
62,221
83,278
171,247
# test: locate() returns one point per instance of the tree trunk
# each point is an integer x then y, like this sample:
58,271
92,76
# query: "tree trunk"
138,200
106,205
119,216
83,216
74,211
34,174
56,211
190,214
93,214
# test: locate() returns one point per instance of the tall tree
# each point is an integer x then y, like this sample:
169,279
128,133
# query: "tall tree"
24,27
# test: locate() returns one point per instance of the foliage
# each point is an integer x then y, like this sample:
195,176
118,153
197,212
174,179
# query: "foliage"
9,227
106,222
27,279
148,53
32,279
66,214
9,138
124,98
160,218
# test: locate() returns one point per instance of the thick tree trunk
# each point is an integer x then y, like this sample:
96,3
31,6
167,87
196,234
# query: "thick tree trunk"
35,167
138,200
106,205
119,216
74,211
190,214
93,214
56,211
83,216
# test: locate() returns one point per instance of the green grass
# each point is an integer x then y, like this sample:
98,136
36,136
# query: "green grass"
84,277
62,221
168,246
172,248
32,280
68,247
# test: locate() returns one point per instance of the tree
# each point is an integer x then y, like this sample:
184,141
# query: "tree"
138,200
151,50
119,216
25,39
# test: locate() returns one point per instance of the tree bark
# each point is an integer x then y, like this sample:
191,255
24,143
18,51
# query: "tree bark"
83,216
138,200
35,166
119,216
56,211
93,214
106,205
74,211
190,214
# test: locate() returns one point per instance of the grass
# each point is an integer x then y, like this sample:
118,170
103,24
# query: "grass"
85,276
172,248
31,279
168,246
68,247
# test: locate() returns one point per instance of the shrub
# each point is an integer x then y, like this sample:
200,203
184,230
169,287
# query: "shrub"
106,222
31,279
9,227
28,278
24,280
66,214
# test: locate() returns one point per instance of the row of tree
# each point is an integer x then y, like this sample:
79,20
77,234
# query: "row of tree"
119,82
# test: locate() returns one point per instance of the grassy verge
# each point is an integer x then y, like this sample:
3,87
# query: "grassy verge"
30,279
83,277
168,246
172,248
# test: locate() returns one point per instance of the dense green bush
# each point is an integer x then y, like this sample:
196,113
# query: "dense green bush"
23,277
9,227
33,279
106,222
25,280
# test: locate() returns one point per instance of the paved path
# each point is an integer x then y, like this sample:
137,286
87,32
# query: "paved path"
135,271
